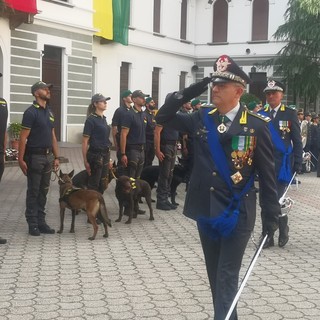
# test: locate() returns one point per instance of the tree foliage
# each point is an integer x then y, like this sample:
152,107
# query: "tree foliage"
299,60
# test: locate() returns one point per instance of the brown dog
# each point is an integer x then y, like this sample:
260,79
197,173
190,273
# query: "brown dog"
89,200
128,192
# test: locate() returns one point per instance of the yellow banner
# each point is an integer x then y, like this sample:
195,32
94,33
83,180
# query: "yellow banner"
103,18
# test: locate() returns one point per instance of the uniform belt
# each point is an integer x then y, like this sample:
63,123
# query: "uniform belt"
40,151
170,142
139,147
99,150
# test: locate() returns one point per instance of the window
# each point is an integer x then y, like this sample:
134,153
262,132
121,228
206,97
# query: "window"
155,84
182,80
220,21
260,17
156,15
184,13
124,76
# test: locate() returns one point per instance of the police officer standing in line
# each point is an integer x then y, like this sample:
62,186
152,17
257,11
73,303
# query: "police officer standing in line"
133,136
151,123
3,128
165,142
287,144
38,151
125,107
96,144
231,143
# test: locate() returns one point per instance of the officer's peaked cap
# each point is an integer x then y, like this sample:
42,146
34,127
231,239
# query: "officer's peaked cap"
226,70
273,85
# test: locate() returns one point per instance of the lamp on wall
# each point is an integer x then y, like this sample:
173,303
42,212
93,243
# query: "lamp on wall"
194,68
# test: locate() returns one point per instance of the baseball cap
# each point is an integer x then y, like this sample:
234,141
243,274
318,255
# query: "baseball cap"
149,99
226,70
125,94
194,102
139,93
99,97
40,85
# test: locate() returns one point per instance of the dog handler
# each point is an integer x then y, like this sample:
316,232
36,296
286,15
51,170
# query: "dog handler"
38,151
96,143
230,144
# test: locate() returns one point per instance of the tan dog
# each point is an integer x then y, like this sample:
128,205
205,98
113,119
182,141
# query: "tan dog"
89,200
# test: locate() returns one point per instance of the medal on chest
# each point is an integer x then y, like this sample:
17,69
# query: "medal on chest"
222,128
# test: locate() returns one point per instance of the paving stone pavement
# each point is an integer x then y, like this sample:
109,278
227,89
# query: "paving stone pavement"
149,269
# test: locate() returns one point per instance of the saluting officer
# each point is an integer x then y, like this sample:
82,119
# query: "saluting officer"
287,143
230,144
38,150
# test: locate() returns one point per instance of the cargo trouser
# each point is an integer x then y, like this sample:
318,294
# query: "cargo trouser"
38,177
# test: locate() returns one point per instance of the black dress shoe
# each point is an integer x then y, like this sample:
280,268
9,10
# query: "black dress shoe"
284,238
163,206
46,229
3,241
34,231
269,243
172,206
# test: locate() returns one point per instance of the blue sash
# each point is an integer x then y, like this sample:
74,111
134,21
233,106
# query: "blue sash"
285,173
224,224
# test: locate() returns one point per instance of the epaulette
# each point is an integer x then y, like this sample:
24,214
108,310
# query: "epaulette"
259,116
289,107
3,103
213,111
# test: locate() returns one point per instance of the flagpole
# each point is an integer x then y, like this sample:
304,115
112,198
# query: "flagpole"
246,277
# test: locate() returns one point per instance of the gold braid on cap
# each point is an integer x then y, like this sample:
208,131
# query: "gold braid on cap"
230,76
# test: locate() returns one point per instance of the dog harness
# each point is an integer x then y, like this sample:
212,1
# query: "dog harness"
67,194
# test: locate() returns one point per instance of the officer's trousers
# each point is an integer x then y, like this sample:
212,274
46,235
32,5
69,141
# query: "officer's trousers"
38,176
99,165
223,262
135,162
166,172
149,153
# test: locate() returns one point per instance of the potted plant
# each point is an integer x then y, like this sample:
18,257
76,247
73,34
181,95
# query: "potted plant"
14,130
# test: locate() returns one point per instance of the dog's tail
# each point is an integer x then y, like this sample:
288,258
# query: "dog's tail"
103,212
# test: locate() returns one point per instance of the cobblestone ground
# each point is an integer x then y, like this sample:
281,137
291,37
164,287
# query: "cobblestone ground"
149,269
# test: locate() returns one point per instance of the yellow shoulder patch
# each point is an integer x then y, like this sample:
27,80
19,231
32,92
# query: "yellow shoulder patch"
259,116
213,111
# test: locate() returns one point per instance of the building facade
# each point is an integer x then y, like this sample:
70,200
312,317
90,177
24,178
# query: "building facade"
171,44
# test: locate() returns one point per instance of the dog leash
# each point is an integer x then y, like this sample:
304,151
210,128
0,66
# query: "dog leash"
56,176
114,176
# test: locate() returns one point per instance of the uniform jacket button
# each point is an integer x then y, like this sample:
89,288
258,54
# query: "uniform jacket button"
211,188
214,173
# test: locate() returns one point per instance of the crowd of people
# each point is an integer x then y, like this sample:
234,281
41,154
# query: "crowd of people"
234,144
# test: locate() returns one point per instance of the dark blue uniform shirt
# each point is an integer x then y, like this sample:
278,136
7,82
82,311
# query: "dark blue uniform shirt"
136,122
151,123
40,121
117,118
169,134
98,131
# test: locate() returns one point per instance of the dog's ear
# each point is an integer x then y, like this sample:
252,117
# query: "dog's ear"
71,174
60,174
